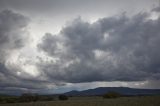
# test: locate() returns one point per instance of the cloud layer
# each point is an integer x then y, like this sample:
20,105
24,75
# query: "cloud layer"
13,37
12,27
118,48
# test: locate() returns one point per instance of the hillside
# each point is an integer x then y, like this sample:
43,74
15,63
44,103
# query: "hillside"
121,90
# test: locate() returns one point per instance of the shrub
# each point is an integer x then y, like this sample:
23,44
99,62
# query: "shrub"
11,100
111,95
50,98
45,98
28,97
2,100
63,97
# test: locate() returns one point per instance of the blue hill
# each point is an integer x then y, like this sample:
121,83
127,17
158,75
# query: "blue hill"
121,90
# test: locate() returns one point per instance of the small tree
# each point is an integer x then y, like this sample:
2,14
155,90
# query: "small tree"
63,97
28,97
111,95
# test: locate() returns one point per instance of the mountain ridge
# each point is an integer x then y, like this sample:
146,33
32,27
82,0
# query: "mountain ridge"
121,90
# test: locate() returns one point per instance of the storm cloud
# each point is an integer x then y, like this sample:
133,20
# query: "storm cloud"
12,28
13,37
44,47
117,48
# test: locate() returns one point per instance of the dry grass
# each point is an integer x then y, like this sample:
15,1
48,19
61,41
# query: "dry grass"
97,101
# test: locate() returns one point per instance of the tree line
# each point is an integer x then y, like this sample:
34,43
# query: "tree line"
29,97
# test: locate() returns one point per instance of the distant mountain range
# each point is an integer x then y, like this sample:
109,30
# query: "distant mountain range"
121,90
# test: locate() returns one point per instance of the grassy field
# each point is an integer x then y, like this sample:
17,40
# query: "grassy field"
97,101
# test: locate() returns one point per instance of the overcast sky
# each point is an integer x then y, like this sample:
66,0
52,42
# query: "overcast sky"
53,46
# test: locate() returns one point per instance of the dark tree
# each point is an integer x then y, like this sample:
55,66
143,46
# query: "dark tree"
111,95
63,97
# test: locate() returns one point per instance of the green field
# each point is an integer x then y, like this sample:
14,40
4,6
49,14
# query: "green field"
97,101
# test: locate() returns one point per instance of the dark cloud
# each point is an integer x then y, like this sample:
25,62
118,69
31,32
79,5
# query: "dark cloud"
157,9
13,36
12,28
12,83
118,48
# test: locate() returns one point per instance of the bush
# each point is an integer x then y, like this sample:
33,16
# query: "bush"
11,100
111,95
2,100
27,97
63,97
45,98
49,98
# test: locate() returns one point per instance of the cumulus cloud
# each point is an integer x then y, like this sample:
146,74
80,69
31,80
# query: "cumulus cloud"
12,28
13,37
18,73
117,48
157,9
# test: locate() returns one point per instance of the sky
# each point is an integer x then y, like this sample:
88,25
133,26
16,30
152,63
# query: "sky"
54,46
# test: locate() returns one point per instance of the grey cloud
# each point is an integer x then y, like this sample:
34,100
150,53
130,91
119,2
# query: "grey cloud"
75,7
49,38
157,9
13,36
151,84
12,28
12,83
118,48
